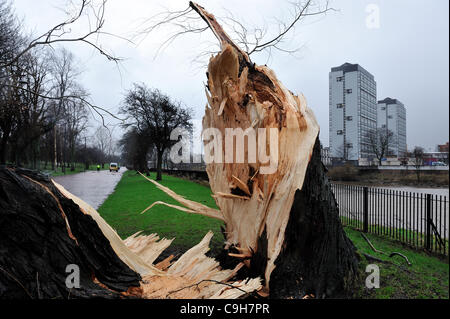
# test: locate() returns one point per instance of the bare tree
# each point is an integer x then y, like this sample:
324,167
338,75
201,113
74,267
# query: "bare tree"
103,141
36,118
28,99
85,14
381,142
418,153
65,73
135,146
24,115
10,35
155,115
9,113
75,119
10,40
250,39
344,152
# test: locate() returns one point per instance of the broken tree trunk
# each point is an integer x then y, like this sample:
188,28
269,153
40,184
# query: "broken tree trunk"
283,222
41,233
281,218
44,229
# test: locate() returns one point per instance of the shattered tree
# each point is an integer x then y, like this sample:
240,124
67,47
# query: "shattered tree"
284,226
44,228
282,231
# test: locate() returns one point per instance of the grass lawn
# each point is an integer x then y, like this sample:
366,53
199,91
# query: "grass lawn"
79,167
133,194
427,277
413,238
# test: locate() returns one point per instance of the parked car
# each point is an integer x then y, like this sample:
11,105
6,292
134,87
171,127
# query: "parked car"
114,167
438,164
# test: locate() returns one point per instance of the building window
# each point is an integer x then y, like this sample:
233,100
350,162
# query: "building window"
349,118
383,108
340,105
349,145
339,79
340,132
383,126
389,116
348,91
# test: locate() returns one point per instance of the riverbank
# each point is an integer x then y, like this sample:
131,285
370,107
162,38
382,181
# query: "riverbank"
389,178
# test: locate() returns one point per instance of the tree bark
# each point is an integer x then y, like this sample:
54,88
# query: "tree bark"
3,149
317,249
46,232
159,165
42,235
55,153
284,225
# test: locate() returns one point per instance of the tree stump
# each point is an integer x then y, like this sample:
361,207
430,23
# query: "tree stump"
283,224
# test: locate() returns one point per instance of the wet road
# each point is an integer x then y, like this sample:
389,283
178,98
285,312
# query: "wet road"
93,187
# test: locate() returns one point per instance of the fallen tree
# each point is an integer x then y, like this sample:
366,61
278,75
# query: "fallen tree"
44,229
282,229
282,224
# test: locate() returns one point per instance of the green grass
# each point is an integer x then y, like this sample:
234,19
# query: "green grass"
79,168
427,277
410,237
46,168
133,194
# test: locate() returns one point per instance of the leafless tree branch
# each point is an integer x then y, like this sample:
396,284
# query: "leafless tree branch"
251,40
61,31
83,99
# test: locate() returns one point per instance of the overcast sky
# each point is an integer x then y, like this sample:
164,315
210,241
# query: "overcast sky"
408,54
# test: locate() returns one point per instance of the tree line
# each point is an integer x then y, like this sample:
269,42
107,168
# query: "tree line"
44,109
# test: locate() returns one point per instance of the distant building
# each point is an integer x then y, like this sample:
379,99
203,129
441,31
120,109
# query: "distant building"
441,155
352,111
443,148
430,157
325,155
391,115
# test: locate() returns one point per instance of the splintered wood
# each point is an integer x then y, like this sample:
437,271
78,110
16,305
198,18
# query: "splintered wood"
254,195
253,198
268,197
193,275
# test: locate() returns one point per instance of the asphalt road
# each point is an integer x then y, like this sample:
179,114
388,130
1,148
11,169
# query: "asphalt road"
92,186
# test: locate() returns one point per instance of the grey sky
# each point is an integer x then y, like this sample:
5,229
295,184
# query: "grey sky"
408,55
